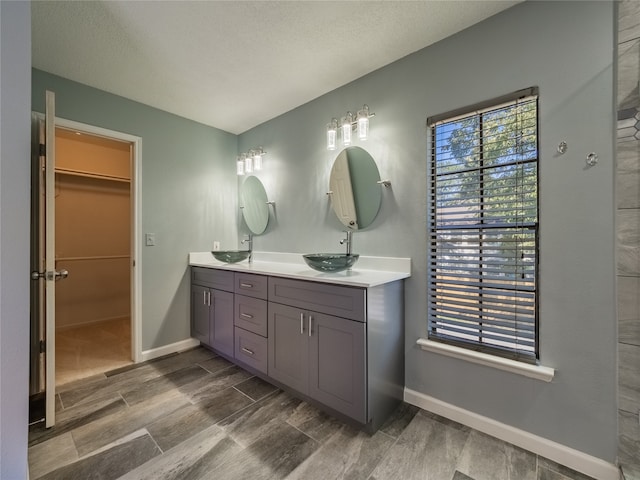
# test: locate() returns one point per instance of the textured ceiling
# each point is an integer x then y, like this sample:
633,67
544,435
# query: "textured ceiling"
236,64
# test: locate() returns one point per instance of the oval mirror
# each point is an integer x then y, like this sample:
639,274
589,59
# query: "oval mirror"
355,192
255,209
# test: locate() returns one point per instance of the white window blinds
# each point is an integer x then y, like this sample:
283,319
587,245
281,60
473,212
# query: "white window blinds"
483,224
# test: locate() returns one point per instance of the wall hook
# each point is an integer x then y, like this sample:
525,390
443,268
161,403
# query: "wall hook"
592,159
386,183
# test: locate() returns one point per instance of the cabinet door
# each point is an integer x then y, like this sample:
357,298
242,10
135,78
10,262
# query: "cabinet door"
288,346
222,321
200,313
337,374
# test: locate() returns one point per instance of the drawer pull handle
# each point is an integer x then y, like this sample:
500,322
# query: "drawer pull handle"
246,350
246,285
310,320
246,315
302,324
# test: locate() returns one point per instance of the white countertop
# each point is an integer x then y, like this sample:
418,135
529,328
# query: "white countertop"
367,272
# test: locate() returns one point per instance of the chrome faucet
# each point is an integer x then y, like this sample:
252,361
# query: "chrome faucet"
249,242
347,241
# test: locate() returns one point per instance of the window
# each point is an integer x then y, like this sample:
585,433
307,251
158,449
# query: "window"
483,227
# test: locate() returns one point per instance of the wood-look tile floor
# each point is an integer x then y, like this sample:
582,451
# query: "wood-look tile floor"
92,349
194,415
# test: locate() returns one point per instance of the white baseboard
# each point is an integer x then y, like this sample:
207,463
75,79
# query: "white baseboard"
567,456
171,348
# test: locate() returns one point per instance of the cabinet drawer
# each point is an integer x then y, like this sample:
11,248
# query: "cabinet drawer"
251,314
251,349
210,277
251,284
346,302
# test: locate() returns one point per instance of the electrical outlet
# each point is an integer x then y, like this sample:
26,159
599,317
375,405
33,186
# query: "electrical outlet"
149,239
216,246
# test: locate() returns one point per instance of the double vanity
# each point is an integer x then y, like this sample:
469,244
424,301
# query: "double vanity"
333,339
327,329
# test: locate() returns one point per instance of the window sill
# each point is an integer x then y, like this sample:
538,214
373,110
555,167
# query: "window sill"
538,372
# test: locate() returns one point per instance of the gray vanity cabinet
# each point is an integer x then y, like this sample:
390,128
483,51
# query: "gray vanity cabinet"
212,308
338,346
321,356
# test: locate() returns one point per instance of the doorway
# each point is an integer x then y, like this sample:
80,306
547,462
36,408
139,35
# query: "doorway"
93,243
72,172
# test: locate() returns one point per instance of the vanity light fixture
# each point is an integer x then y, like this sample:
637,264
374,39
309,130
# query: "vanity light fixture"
250,161
348,124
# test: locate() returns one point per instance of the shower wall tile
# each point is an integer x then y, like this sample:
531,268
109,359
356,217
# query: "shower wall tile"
628,377
628,20
629,310
628,65
628,173
628,245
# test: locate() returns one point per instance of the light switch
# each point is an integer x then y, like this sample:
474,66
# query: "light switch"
150,239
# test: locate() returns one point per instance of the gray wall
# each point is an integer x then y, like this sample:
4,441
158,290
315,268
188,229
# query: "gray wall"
628,233
188,192
15,70
564,48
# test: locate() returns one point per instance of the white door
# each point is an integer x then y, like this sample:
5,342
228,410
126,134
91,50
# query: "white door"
47,266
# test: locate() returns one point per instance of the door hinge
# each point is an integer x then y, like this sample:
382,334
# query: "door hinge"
42,149
43,346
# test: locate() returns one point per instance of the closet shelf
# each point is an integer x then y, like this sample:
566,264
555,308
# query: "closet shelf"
95,257
98,176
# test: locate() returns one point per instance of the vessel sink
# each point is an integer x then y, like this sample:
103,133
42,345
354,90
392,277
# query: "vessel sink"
330,262
231,256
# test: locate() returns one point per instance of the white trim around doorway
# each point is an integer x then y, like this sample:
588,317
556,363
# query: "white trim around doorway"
136,252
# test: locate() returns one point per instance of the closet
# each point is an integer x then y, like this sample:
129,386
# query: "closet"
93,242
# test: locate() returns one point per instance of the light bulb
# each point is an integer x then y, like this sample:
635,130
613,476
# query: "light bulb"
363,123
248,164
345,125
257,159
239,165
332,134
